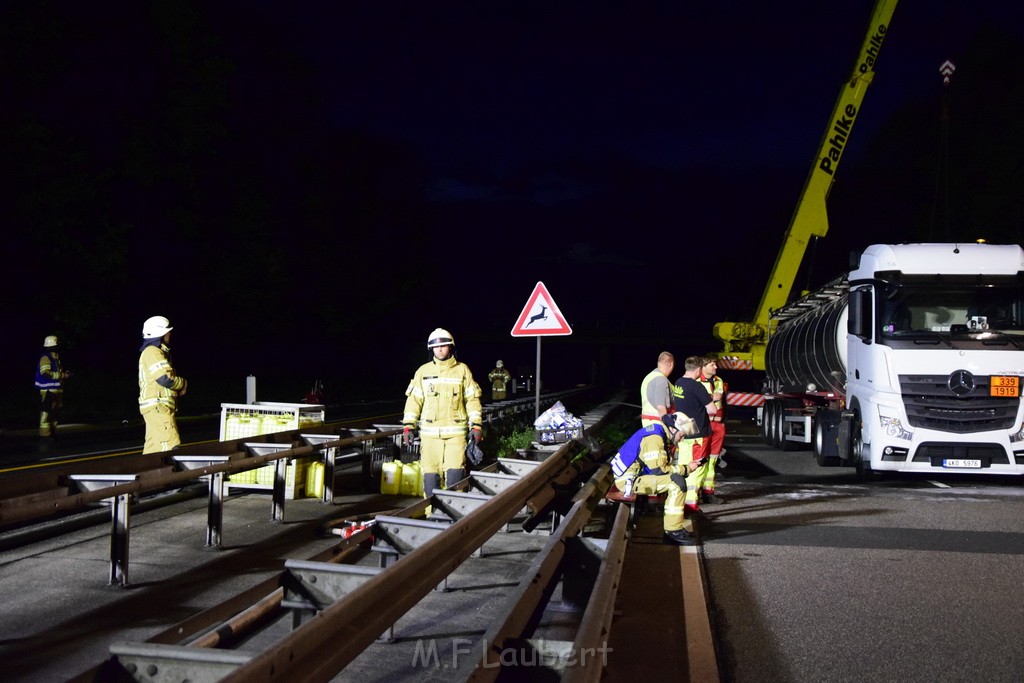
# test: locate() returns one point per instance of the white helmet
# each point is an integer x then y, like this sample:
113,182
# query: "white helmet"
682,423
51,340
157,326
440,337
500,364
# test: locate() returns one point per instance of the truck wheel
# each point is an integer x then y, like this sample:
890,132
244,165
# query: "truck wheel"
784,443
820,434
863,467
768,424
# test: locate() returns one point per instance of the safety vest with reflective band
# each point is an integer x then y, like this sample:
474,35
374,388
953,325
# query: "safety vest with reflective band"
443,400
712,385
158,384
49,372
648,412
630,451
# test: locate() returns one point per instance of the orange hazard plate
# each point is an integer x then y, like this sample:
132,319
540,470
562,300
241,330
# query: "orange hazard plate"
1004,385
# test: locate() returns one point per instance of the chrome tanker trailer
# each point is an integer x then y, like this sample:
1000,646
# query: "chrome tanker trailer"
912,362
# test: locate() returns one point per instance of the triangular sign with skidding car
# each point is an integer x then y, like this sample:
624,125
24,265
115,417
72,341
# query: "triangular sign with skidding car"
541,316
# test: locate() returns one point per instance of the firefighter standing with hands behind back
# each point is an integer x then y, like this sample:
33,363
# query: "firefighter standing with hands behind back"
443,402
499,378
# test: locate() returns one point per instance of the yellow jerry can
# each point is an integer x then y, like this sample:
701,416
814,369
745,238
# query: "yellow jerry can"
314,486
412,479
391,477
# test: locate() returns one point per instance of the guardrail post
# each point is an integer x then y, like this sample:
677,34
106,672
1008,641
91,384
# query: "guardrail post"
280,477
120,521
215,511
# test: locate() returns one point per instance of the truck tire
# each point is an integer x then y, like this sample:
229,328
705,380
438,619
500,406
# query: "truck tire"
821,433
768,423
863,467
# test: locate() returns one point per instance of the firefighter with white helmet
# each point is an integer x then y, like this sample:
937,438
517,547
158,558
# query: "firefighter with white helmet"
50,376
159,386
499,378
443,403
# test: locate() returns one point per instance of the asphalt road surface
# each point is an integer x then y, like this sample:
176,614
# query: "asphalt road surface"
815,576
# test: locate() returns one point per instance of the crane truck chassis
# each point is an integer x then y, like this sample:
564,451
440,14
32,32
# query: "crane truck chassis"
913,362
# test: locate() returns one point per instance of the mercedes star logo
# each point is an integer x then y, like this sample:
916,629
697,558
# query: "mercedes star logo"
961,383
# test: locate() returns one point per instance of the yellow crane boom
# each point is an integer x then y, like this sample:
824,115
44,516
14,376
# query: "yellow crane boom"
745,342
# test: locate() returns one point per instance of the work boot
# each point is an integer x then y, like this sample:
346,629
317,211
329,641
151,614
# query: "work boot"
679,537
710,498
453,477
431,481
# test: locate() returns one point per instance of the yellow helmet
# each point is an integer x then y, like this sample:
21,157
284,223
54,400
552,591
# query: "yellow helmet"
440,337
51,340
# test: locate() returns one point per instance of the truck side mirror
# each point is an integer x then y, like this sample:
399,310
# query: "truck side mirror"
860,314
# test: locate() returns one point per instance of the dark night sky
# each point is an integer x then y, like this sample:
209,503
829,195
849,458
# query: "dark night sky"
306,191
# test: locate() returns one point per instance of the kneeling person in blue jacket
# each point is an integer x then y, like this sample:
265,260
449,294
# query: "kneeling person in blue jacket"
644,462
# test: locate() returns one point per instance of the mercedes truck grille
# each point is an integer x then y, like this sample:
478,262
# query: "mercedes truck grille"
939,403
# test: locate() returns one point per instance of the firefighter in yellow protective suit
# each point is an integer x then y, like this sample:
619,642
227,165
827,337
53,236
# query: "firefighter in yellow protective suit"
159,386
443,402
716,387
50,376
499,378
645,460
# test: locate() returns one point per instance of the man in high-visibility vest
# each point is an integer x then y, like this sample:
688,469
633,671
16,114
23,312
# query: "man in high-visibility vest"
443,402
499,378
712,446
159,386
656,391
50,376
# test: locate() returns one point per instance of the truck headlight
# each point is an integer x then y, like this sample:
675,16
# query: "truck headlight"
1019,436
893,427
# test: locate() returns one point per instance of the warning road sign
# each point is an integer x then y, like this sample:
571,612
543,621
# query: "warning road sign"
541,316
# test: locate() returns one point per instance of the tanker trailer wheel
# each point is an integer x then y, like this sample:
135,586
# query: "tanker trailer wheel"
767,420
775,424
784,443
863,467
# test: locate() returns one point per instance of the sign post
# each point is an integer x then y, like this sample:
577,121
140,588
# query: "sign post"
540,318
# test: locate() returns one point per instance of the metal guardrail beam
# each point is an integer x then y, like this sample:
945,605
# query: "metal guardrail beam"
320,648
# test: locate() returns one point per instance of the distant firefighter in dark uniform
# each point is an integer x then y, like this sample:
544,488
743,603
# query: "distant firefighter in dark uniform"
50,376
499,378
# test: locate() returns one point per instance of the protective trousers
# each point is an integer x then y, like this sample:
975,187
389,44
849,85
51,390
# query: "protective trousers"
716,440
654,484
161,430
688,451
439,455
50,405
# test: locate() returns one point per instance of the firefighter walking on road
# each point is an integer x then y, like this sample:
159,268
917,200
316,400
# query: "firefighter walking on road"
499,378
50,376
159,386
443,402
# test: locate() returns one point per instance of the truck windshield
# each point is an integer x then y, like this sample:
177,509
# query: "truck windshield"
924,306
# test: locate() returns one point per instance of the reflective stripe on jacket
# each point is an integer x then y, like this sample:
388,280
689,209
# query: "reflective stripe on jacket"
442,399
49,372
648,411
158,384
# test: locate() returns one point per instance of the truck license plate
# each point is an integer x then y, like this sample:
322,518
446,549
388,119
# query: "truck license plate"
961,462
